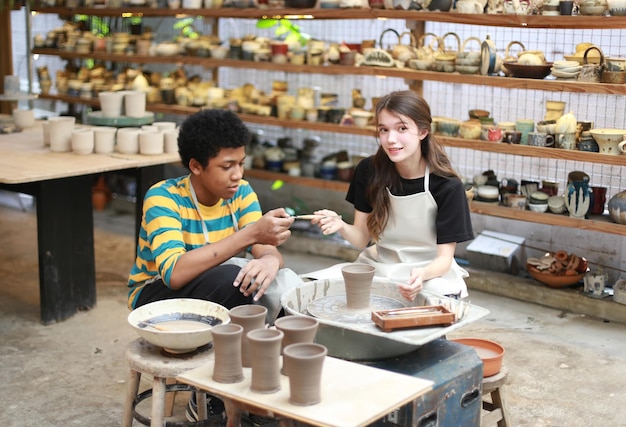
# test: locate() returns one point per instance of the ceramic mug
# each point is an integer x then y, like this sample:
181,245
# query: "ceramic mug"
539,139
513,137
566,141
23,118
524,126
104,139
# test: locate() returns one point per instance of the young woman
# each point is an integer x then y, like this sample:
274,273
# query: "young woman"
409,202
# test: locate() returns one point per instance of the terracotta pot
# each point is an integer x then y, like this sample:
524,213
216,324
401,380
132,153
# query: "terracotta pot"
305,361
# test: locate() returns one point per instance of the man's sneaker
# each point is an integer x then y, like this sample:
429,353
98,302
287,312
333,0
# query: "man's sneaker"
214,408
258,420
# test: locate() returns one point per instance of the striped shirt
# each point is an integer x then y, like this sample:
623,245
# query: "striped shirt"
171,226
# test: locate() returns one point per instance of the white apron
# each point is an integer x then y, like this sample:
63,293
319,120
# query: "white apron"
409,241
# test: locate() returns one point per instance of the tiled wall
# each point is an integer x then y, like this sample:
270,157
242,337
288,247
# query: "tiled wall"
451,100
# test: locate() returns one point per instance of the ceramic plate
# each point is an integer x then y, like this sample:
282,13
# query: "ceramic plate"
96,118
563,75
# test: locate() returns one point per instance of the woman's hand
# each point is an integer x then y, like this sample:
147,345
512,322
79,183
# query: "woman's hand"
328,221
413,286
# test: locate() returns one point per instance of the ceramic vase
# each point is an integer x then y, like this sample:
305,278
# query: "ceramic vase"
358,281
250,317
296,329
578,198
307,360
227,367
617,207
265,346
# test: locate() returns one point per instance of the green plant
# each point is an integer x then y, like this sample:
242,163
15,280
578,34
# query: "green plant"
186,28
285,30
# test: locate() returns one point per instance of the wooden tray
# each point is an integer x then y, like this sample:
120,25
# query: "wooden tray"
411,317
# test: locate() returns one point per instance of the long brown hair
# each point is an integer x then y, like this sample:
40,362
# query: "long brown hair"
408,104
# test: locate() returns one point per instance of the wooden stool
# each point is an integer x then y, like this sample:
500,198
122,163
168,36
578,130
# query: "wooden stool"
496,409
144,358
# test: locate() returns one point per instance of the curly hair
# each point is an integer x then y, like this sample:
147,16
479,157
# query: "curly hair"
203,134
412,106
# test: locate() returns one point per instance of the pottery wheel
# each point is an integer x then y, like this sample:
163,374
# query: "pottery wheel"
335,308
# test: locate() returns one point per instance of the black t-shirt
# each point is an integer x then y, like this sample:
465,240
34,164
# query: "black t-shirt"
453,223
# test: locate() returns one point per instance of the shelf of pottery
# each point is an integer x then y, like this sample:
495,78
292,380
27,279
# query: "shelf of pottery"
400,60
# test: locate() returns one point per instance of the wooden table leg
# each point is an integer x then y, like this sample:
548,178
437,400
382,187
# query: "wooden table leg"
233,413
67,271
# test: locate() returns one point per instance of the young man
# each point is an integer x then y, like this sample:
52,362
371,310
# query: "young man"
195,227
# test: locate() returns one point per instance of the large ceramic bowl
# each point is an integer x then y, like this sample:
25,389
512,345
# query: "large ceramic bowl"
178,325
528,71
554,280
608,139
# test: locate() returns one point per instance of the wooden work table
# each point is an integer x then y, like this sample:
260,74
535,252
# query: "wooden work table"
61,184
353,395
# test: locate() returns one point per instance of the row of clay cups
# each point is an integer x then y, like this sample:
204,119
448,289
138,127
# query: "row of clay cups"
159,138
146,140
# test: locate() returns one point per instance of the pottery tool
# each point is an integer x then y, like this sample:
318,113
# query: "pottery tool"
412,317
309,217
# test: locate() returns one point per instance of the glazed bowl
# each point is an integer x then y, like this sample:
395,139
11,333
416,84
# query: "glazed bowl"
608,139
178,325
592,9
490,352
556,204
528,71
487,193
538,207
448,126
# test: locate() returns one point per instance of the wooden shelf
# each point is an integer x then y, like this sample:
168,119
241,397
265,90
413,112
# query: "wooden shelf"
498,20
323,184
599,223
548,84
492,147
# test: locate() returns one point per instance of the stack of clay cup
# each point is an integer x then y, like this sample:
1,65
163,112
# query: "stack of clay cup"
468,62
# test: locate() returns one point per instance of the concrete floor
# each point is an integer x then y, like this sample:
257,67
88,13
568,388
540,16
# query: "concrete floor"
564,369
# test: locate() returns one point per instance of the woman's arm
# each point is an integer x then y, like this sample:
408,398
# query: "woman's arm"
438,267
357,234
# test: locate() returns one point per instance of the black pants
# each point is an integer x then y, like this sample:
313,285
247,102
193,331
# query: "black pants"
215,285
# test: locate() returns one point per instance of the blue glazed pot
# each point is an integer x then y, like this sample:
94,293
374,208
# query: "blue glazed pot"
578,198
617,207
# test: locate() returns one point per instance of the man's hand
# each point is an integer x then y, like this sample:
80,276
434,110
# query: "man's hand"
257,275
273,227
